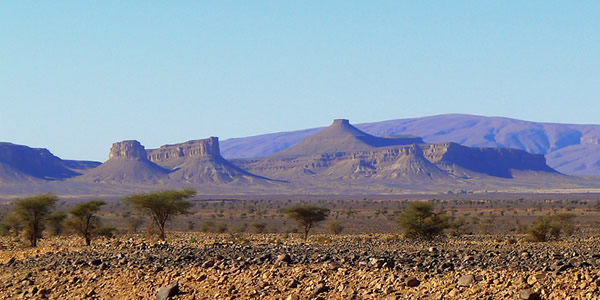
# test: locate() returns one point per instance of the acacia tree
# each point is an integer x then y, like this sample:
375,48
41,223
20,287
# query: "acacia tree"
306,216
84,220
162,205
32,213
420,221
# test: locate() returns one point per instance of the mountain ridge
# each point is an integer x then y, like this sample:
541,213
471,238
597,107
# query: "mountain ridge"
570,148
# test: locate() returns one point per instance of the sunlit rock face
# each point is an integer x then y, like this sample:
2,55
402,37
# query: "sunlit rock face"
127,150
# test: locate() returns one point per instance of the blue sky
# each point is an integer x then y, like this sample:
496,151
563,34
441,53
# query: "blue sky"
76,76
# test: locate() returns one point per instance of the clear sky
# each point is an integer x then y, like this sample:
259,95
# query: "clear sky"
76,76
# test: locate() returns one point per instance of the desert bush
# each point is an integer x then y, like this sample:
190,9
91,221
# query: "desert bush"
419,221
84,220
207,226
335,227
258,227
238,228
306,216
32,212
221,228
457,227
162,205
551,227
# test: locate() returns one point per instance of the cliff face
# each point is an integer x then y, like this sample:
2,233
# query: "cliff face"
39,163
401,162
491,161
172,155
199,161
127,150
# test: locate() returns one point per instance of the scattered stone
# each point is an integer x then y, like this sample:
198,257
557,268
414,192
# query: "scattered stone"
168,291
320,288
10,261
412,282
209,263
96,262
283,258
466,280
529,295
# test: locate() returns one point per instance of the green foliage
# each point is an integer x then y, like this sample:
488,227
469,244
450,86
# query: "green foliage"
55,222
419,221
31,213
162,205
335,227
306,216
551,227
84,220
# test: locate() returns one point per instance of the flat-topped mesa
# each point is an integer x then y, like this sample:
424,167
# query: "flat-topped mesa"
341,136
208,148
127,164
340,122
127,150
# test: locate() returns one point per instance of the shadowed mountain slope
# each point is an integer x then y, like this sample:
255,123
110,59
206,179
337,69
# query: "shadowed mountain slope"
580,142
24,162
10,175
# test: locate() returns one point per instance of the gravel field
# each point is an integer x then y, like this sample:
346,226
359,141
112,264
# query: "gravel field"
211,266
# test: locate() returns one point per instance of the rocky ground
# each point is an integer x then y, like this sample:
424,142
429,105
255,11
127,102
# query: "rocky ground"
277,267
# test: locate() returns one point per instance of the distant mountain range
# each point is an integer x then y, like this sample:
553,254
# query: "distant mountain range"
570,149
339,159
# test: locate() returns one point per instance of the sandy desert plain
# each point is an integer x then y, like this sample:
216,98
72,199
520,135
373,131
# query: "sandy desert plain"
246,248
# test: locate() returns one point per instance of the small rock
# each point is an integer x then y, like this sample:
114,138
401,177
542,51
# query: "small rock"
534,278
96,262
283,258
293,284
208,263
412,282
292,297
529,295
10,261
466,280
168,291
320,288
